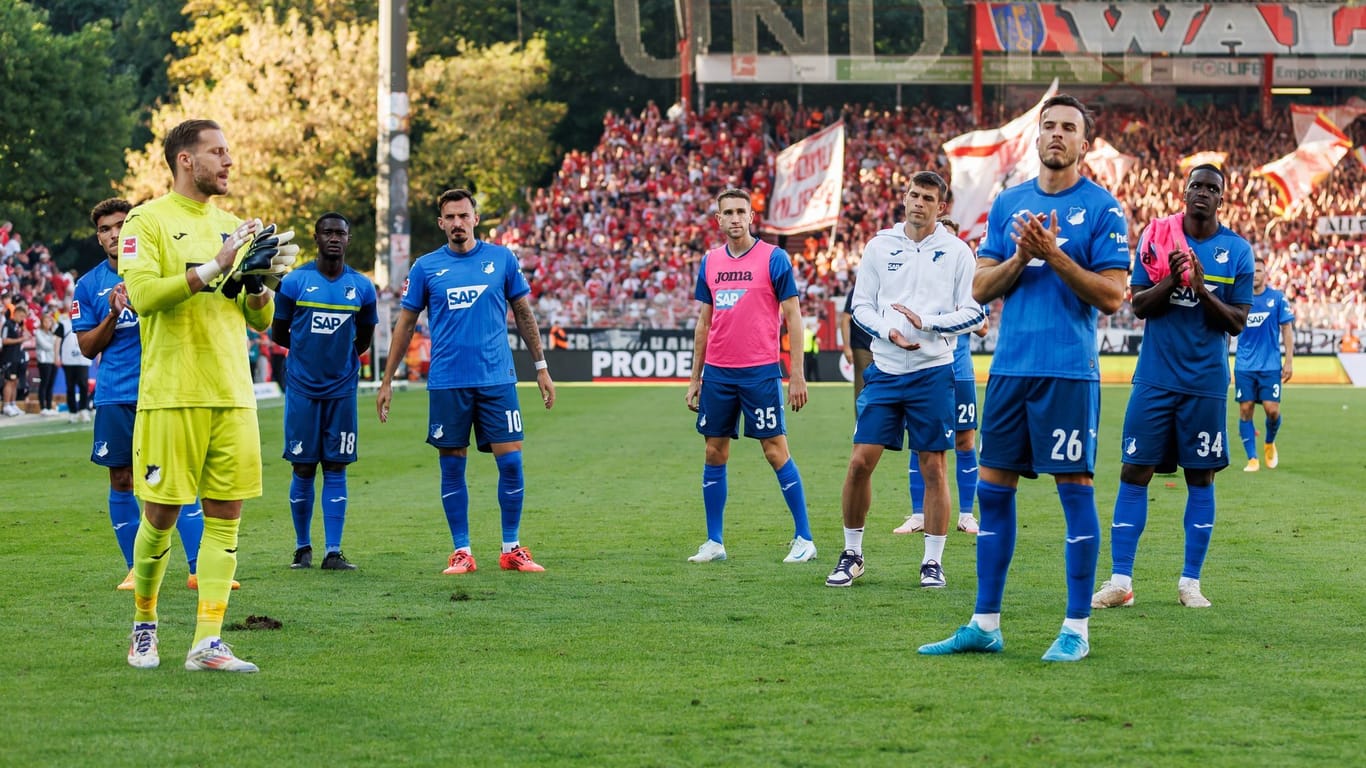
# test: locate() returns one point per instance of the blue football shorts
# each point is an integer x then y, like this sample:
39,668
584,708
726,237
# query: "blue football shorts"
964,405
493,412
1162,426
319,429
722,404
917,404
113,445
1034,425
1257,386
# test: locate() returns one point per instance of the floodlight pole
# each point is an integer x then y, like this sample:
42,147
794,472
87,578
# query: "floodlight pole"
393,232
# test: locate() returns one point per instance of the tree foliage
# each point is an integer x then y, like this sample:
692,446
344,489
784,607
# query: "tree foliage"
297,107
586,66
296,99
481,118
64,119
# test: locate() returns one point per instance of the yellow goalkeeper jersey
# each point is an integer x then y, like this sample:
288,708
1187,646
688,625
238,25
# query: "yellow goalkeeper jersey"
194,346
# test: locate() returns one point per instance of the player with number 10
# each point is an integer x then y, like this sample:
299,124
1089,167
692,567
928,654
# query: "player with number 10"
466,286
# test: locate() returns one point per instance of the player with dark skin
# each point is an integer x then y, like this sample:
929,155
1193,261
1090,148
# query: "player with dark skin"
331,236
1204,196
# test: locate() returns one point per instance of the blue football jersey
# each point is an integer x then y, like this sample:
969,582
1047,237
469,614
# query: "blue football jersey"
1045,329
1180,351
322,315
120,368
962,359
466,296
1259,345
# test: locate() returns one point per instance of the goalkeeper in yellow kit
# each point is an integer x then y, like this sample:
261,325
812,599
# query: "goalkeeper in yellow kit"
195,433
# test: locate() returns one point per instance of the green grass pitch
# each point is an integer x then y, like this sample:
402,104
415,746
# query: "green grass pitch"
624,654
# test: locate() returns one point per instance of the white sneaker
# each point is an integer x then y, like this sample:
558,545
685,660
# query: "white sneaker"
709,551
10,410
932,575
85,415
913,524
968,524
214,655
1189,594
802,551
142,650
1111,596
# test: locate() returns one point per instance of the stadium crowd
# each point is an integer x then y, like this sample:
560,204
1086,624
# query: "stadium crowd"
615,238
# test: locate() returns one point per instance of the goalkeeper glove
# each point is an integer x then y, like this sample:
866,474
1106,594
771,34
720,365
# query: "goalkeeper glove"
269,256
237,282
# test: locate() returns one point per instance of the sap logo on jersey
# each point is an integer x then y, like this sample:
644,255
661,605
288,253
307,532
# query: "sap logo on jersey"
127,319
464,296
1184,296
1255,319
729,297
327,323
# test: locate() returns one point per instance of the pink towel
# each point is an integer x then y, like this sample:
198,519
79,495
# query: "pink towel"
1156,244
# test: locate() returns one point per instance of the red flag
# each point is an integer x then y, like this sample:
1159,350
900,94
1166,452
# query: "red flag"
985,162
1293,177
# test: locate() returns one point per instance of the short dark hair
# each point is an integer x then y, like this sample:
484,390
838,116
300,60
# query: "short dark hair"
1209,167
331,215
454,196
931,179
105,207
186,136
1068,100
734,192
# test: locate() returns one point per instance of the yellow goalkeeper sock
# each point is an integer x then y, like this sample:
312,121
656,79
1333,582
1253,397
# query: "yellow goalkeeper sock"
149,567
217,565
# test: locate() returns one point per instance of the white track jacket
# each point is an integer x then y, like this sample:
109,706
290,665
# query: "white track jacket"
932,278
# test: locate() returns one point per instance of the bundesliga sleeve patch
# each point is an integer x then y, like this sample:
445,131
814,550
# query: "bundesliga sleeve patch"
75,310
129,249
405,287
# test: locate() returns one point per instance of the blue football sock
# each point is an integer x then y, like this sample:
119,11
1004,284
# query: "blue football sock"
334,509
1082,548
995,544
1248,434
714,499
1199,527
125,515
190,526
455,499
790,483
511,491
301,509
917,483
967,479
1131,517
1272,427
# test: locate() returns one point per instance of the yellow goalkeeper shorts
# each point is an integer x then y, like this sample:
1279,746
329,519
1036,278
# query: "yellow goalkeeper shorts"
183,453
